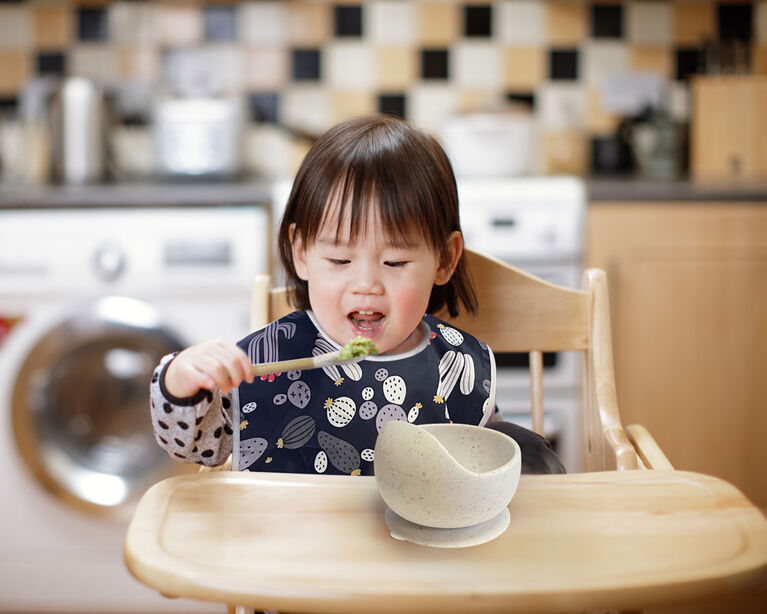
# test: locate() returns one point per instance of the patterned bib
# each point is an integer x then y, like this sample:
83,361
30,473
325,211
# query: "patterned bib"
327,420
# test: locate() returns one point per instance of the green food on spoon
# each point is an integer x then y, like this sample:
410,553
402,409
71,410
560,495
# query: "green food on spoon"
357,347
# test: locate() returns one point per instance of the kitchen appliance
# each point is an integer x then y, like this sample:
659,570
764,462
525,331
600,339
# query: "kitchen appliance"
657,144
90,298
78,118
537,224
199,137
491,144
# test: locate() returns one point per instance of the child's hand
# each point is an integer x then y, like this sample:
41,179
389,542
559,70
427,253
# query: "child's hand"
207,365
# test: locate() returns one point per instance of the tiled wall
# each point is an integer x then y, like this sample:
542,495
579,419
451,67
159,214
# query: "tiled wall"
309,64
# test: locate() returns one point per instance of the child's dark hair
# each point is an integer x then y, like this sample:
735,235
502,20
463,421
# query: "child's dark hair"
378,161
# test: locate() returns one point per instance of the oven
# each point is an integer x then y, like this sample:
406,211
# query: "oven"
536,224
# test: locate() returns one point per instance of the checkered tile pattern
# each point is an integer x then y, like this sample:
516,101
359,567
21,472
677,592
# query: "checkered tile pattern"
311,63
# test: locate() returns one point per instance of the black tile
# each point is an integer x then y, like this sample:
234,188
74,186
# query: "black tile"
92,24
526,99
347,19
392,104
135,119
686,62
8,104
220,22
563,64
51,64
264,107
735,20
606,20
434,64
477,20
306,64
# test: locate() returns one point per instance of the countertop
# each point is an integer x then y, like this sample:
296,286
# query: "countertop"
629,189
258,191
193,194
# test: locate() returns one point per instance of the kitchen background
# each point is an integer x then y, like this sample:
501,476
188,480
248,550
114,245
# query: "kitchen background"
578,67
146,149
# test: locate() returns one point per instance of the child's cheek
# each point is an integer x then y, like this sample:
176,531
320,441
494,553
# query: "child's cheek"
412,301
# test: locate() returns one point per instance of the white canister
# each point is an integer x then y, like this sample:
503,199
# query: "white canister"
491,144
199,137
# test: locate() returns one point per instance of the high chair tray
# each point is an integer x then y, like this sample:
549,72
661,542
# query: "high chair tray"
308,543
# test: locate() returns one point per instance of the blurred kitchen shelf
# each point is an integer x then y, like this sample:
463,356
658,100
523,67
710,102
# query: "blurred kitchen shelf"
157,194
618,189
258,191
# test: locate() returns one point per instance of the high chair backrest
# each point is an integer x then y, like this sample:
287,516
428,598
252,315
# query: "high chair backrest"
522,313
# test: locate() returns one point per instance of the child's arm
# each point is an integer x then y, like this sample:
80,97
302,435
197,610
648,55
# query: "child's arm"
197,427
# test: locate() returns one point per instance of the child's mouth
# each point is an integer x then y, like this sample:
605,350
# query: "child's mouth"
366,322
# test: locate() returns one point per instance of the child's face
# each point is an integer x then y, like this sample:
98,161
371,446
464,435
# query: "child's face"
369,287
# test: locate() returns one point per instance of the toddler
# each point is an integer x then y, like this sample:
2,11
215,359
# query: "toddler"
371,242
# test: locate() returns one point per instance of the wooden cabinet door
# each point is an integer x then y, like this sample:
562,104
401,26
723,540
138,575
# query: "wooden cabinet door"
729,127
688,291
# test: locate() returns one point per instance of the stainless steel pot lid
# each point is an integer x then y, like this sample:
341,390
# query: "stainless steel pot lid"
80,404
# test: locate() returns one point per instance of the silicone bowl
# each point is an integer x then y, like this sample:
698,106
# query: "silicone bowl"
446,475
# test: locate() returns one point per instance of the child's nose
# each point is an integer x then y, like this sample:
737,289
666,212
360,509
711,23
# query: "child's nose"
367,281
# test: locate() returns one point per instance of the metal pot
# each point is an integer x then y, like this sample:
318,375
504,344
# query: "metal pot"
78,132
199,137
491,144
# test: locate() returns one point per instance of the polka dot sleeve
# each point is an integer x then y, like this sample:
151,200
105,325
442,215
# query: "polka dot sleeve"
196,429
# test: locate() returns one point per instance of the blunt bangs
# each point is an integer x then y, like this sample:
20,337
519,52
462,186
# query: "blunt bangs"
378,165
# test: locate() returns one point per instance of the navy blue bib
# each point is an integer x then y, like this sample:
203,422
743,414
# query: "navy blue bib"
327,420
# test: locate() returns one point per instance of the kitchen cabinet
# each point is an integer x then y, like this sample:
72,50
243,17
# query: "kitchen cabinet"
729,123
688,291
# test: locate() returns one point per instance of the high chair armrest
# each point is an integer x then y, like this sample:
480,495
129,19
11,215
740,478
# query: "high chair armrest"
647,448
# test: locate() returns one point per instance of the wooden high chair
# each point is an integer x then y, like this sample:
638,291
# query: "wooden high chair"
582,542
522,313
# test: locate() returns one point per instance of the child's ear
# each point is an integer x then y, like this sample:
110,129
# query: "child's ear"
299,252
449,257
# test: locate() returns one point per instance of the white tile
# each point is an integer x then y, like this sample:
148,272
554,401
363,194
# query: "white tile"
602,58
475,64
263,23
760,24
521,21
131,22
94,61
306,107
649,23
349,65
679,101
141,63
204,71
178,24
561,106
268,152
15,27
430,105
266,68
391,22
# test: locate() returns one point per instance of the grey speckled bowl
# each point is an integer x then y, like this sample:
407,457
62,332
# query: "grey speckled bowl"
446,475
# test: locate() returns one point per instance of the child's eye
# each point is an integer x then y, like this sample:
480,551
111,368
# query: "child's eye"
338,261
395,263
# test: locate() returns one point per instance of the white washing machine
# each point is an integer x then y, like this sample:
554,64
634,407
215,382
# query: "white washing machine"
90,299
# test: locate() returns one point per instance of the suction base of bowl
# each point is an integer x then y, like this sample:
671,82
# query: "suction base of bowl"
462,537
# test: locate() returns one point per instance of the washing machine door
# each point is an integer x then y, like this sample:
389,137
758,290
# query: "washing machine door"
80,404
